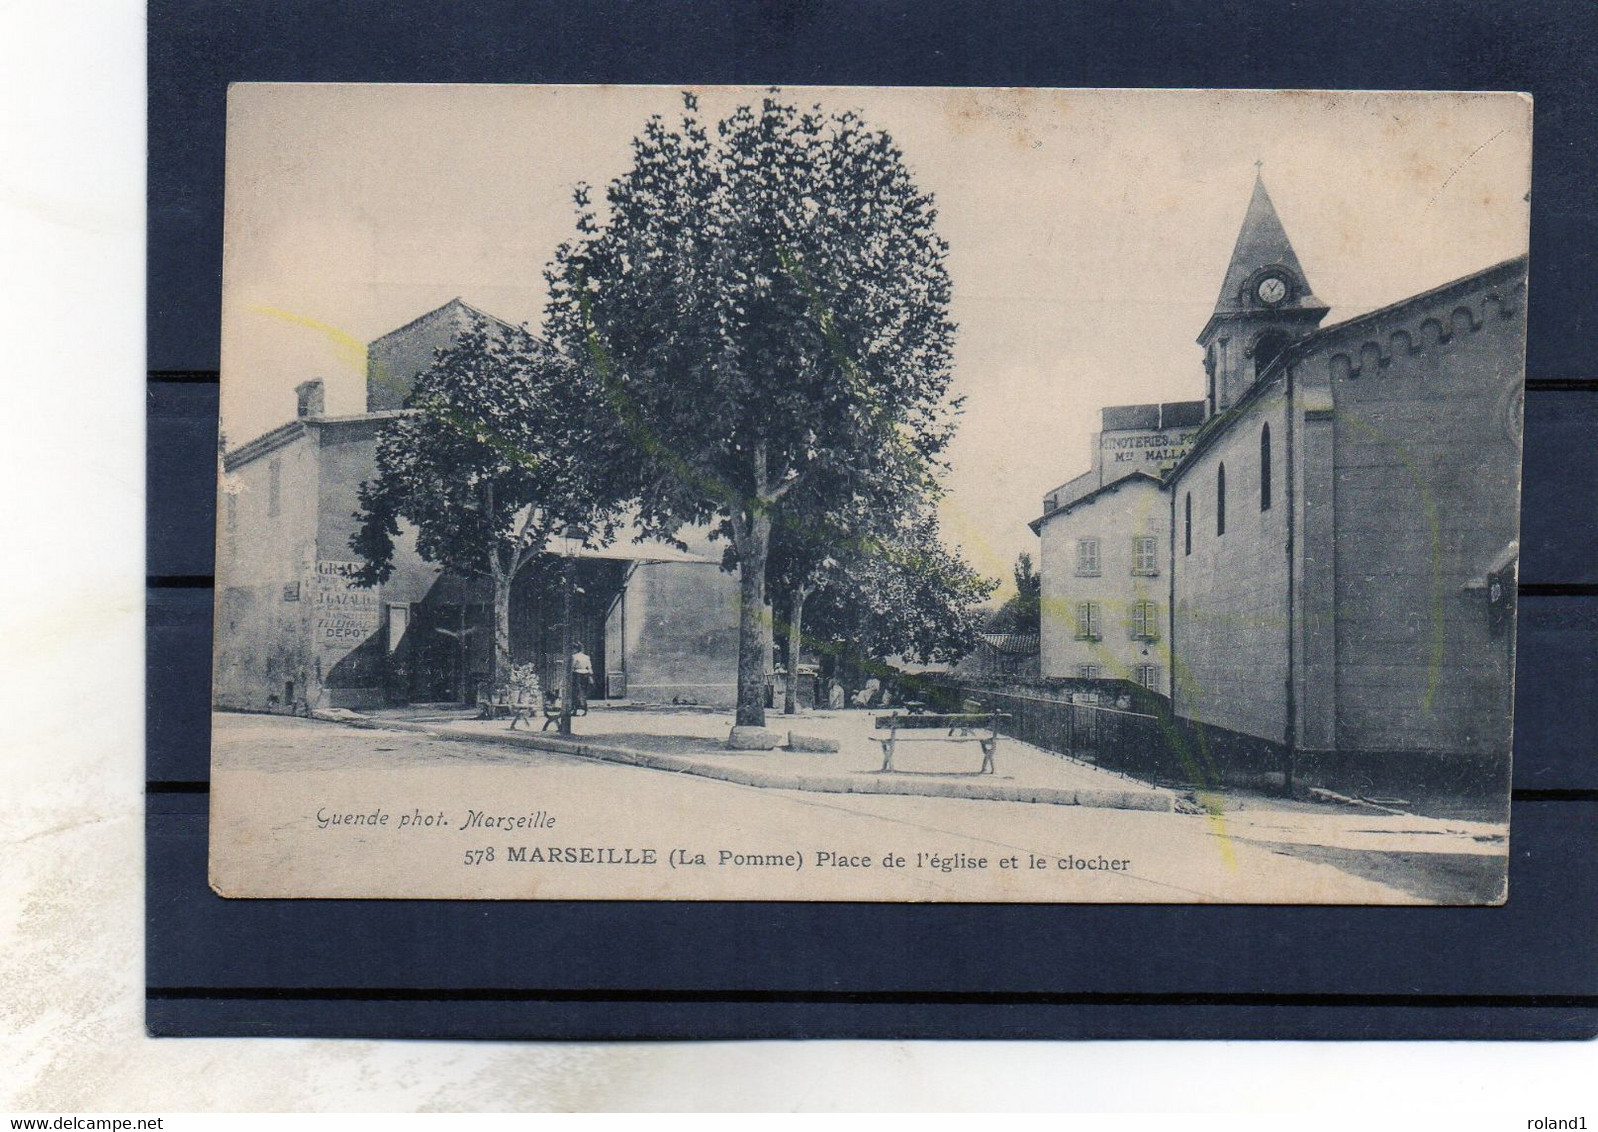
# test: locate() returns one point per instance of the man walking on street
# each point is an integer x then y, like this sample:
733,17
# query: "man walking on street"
582,678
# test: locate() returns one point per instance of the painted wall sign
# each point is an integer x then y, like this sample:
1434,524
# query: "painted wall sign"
1150,450
343,614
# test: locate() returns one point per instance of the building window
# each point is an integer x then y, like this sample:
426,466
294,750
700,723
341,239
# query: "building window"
1087,558
1220,501
1266,350
274,488
1145,621
1148,676
1187,526
1265,468
1087,621
1143,552
1087,672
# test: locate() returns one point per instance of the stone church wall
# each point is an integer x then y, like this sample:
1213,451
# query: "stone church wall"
1230,625
1427,468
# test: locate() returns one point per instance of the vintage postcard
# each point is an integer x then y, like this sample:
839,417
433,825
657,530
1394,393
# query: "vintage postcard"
868,494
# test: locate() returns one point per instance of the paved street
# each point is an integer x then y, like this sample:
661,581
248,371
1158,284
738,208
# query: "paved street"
306,808
927,762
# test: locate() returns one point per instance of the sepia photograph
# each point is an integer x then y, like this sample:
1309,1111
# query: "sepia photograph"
868,494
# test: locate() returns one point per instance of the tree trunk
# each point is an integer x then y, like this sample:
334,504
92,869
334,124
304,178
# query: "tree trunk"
501,630
790,698
503,574
567,679
753,639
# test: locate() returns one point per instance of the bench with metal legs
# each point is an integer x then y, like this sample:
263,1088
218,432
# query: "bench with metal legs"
954,728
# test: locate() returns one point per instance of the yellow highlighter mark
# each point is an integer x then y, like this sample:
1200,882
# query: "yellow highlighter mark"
347,348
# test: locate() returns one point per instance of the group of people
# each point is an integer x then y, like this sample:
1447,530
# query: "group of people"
871,694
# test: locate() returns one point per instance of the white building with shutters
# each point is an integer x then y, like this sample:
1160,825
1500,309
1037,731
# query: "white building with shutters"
1105,555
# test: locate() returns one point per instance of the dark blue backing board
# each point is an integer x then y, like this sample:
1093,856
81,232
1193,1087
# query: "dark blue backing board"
645,970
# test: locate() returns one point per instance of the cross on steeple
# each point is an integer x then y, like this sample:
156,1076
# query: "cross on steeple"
1262,244
1265,303
1259,165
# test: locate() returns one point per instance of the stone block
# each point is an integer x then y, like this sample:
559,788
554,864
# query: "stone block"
754,739
812,744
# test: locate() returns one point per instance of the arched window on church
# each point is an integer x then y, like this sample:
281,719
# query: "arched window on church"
1187,530
1265,468
1266,349
1220,501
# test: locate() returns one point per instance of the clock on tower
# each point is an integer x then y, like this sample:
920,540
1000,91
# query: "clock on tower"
1265,305
1271,290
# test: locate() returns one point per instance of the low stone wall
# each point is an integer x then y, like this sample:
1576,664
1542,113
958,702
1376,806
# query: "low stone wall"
1146,741
1416,776
1227,758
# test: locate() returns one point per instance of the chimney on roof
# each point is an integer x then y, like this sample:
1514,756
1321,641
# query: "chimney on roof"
311,398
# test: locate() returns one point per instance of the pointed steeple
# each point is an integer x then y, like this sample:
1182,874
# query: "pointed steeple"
1262,244
1265,305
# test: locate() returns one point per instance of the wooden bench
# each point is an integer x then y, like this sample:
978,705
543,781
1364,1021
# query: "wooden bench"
960,728
525,713
495,709
519,711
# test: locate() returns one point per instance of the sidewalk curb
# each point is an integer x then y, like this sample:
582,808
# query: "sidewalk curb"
1154,799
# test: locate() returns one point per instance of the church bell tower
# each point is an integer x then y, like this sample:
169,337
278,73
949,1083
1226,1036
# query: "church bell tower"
1265,306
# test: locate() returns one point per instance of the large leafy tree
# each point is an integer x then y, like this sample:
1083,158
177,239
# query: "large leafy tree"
499,450
859,541
760,301
901,594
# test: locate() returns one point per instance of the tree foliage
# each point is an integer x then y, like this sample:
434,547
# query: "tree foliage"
499,449
764,306
1023,611
905,594
874,579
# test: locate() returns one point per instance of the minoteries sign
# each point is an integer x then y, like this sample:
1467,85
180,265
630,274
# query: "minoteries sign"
1146,438
1150,450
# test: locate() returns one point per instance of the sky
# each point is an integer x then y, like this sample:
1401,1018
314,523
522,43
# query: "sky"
1088,233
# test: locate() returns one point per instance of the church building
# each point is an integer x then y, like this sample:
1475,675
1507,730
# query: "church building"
1339,534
